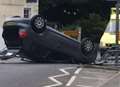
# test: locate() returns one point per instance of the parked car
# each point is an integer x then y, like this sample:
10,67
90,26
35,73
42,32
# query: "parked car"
38,41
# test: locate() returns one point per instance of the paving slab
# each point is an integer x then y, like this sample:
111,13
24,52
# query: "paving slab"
96,77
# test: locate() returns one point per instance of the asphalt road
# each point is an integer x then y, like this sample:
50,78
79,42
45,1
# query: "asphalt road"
21,74
16,73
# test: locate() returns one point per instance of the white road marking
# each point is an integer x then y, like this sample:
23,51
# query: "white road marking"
73,77
78,71
71,81
58,83
53,78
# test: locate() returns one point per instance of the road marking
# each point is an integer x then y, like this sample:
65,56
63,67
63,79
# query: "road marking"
73,77
53,78
71,81
78,71
58,83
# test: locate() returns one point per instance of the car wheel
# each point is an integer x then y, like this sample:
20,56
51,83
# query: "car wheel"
88,50
38,23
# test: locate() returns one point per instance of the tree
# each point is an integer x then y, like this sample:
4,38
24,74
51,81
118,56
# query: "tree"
54,10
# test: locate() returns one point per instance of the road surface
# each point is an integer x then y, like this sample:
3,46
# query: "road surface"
16,73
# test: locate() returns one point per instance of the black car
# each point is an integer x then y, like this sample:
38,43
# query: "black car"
38,41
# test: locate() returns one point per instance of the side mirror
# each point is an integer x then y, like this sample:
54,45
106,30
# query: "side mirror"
38,23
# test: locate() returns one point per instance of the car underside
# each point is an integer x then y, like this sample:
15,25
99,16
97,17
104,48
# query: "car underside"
39,42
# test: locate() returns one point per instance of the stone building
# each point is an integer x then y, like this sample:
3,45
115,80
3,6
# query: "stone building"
23,8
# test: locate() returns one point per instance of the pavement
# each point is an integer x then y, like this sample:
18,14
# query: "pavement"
89,77
2,44
17,73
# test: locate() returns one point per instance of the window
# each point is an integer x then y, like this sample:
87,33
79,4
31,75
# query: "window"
31,1
27,12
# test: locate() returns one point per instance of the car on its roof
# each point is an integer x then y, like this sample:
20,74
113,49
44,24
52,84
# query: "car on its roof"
38,41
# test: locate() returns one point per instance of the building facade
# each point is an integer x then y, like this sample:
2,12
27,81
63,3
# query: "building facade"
22,8
30,8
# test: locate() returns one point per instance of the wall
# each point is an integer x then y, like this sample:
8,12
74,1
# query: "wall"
11,8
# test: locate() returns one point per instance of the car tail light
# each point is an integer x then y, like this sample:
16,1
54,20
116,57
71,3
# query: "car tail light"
23,34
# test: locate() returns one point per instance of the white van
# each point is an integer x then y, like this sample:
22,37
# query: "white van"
108,39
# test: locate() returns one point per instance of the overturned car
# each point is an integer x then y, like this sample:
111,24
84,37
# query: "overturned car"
37,41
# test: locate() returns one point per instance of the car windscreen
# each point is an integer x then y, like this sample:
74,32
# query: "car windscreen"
111,27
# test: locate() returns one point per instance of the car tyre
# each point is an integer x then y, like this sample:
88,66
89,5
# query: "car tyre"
88,50
38,23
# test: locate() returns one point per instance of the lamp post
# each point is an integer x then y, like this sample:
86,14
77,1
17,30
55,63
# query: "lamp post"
117,21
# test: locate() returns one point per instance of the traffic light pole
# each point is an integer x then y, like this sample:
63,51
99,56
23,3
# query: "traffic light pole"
117,21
